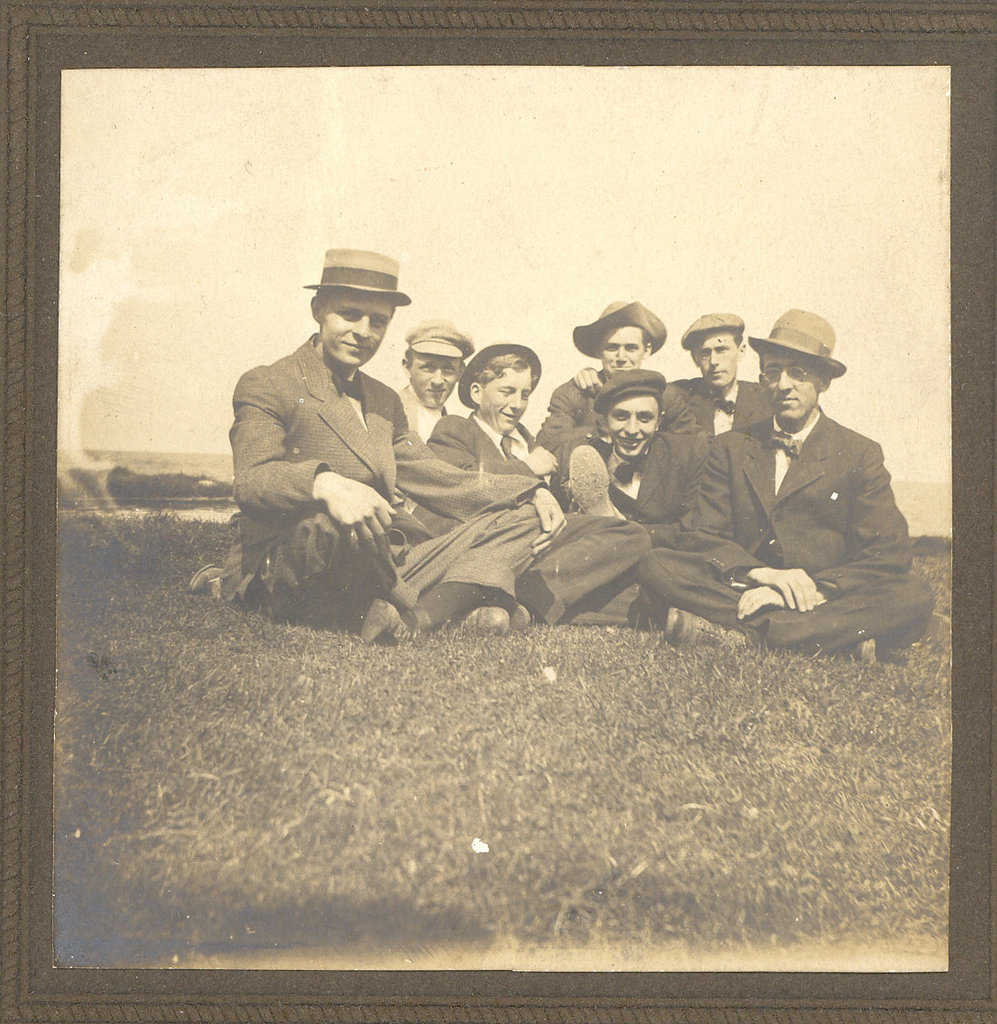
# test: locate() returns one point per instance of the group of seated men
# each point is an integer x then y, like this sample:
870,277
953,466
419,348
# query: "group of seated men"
710,504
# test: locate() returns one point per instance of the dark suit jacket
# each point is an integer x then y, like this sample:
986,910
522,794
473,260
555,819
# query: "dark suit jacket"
835,515
571,415
290,421
669,485
752,403
462,442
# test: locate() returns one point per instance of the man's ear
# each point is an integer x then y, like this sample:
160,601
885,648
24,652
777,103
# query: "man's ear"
474,391
316,308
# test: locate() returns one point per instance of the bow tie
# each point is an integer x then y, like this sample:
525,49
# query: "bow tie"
789,444
349,388
626,471
725,405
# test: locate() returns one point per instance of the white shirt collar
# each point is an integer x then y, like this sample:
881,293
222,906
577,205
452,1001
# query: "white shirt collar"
799,435
518,444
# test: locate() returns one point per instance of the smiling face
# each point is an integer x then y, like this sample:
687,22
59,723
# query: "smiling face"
717,354
631,423
623,349
351,326
432,377
794,385
502,400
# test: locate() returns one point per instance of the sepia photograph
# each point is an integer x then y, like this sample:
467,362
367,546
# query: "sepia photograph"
505,519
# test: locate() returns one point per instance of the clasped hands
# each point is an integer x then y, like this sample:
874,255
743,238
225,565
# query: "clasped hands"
366,516
779,588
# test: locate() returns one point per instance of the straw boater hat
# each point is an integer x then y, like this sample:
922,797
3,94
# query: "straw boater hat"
439,338
628,383
362,271
710,323
589,337
806,333
474,367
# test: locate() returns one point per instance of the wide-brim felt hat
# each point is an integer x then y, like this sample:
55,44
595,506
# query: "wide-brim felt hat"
627,384
361,271
805,333
710,323
474,367
589,337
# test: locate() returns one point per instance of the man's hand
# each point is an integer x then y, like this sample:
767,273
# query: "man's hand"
757,598
798,590
359,509
541,461
551,519
587,380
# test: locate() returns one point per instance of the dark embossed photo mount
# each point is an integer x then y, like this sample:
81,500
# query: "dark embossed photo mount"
43,44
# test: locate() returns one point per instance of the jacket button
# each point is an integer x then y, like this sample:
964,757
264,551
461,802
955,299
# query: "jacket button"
297,451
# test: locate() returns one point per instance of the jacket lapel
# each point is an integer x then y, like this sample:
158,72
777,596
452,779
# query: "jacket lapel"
808,465
337,411
759,468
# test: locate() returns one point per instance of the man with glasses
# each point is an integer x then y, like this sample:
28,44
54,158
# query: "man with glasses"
797,541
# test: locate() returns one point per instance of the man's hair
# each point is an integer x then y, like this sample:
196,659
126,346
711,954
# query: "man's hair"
332,292
645,337
497,365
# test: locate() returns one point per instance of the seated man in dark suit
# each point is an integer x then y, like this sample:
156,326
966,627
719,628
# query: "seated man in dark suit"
324,460
799,542
591,554
641,473
621,338
719,401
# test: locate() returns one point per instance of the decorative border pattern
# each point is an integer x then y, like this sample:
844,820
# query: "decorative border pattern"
975,21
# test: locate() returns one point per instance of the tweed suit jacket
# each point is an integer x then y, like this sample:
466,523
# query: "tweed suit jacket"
669,485
291,421
571,415
752,403
834,516
461,441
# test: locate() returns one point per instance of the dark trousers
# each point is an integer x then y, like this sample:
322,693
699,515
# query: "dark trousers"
894,610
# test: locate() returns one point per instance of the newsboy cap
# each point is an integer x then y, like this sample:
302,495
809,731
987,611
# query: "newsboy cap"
362,271
713,322
438,338
589,337
806,333
627,384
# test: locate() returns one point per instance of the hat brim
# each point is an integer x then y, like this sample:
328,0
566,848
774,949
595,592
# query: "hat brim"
438,347
832,366
492,352
399,298
588,338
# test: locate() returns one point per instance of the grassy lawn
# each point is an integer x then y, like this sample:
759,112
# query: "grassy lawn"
225,784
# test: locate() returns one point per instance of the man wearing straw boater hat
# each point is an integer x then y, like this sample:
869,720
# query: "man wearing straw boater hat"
799,542
621,338
719,401
324,458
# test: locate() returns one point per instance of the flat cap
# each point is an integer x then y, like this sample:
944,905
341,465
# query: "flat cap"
713,322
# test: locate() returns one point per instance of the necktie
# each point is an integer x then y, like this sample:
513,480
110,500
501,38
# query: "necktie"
725,405
506,445
349,388
789,444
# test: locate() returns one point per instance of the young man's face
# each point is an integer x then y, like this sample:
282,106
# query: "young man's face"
717,355
351,325
794,386
631,423
623,349
432,377
502,401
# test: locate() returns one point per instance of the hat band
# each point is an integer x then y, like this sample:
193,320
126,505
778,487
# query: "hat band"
355,277
810,343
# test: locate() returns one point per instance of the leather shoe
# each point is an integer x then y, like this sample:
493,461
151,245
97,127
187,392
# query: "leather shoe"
488,620
207,580
588,479
681,626
865,652
383,623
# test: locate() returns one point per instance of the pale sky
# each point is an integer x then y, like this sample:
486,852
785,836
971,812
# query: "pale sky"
196,204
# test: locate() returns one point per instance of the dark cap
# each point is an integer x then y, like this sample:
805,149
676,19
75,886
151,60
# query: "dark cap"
628,383
475,366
